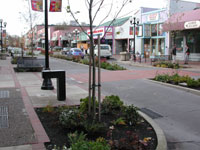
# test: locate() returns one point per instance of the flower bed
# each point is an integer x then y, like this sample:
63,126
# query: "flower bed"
165,64
121,128
177,79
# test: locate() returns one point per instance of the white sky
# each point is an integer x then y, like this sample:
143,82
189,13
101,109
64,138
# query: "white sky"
9,12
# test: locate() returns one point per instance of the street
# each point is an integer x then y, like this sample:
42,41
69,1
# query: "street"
175,111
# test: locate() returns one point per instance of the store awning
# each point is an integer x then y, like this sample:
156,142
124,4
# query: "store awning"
64,38
183,21
54,38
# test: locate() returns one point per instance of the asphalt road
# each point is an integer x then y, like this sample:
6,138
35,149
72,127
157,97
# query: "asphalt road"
177,112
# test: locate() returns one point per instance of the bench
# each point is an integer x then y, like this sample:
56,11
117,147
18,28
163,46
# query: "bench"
3,56
30,64
60,76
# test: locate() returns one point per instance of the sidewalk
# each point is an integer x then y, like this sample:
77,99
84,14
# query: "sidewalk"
192,66
20,93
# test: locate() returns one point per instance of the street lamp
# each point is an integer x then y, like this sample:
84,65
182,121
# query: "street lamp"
1,26
76,32
134,22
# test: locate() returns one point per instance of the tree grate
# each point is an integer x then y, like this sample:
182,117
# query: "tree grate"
151,113
4,94
3,117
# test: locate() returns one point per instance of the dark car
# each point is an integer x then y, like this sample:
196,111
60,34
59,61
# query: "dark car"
57,48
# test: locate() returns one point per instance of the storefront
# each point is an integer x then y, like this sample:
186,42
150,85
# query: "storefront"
153,38
184,28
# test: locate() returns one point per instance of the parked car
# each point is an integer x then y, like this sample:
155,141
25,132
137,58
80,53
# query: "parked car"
38,48
65,50
57,48
105,50
76,52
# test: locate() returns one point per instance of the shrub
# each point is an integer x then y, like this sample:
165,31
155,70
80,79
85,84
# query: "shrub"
94,128
79,142
162,78
84,104
193,83
48,109
14,60
71,118
111,103
119,121
131,115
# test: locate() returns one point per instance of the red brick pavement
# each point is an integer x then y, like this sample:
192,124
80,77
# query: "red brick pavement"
110,76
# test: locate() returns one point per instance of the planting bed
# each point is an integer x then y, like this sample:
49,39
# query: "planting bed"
140,136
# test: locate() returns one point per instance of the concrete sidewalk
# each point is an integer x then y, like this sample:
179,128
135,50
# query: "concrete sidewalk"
20,93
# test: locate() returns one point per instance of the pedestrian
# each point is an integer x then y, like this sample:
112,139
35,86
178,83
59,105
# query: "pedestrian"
174,53
187,54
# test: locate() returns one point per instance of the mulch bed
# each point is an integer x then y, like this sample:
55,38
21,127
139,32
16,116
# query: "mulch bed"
58,134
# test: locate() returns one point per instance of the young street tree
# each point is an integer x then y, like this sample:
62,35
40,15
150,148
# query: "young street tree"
94,7
30,18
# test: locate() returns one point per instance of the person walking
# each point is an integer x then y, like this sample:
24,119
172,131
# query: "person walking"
174,54
187,54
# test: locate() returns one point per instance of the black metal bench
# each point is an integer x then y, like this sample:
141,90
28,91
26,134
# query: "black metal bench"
60,76
29,63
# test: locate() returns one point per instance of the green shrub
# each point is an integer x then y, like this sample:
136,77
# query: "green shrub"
79,142
131,115
84,104
94,128
71,118
193,83
162,78
111,103
119,121
84,61
76,137
14,60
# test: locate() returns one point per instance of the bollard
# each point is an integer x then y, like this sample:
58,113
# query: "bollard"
60,76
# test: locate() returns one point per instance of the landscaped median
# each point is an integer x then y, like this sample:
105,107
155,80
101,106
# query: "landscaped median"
78,59
121,127
185,83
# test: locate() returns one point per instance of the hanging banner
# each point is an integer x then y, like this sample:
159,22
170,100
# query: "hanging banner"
4,33
55,5
37,5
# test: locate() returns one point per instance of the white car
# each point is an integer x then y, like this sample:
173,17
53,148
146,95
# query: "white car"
105,50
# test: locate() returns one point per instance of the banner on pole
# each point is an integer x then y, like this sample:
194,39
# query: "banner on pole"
37,5
4,33
55,5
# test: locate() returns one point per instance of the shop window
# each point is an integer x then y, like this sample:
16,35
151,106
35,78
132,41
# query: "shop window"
160,30
161,46
154,30
193,40
147,30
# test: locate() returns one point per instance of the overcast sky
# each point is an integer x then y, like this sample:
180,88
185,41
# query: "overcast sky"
9,12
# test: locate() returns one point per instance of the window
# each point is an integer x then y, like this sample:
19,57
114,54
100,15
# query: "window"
154,30
147,31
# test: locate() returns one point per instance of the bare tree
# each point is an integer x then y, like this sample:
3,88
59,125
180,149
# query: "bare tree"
94,7
30,18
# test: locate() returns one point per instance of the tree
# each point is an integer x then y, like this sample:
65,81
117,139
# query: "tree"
30,18
94,7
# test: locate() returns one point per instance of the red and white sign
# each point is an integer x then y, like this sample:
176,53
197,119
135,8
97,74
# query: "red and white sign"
96,32
153,17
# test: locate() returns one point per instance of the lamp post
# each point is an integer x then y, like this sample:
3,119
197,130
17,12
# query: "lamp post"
47,83
134,22
76,31
2,25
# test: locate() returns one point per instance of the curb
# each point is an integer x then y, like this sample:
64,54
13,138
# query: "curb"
193,91
161,139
